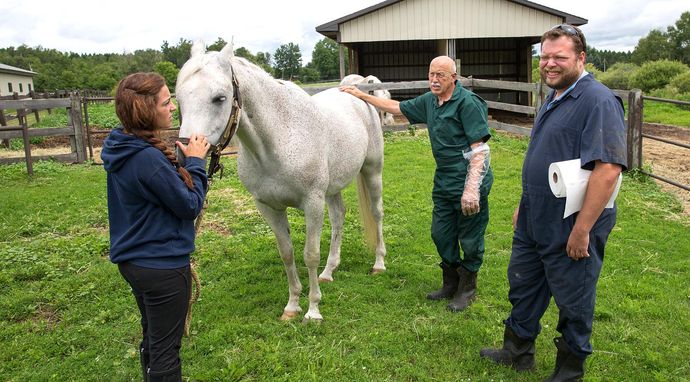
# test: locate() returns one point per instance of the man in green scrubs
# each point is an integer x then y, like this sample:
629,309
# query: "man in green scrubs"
458,130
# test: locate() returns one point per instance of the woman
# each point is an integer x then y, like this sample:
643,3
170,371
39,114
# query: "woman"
152,204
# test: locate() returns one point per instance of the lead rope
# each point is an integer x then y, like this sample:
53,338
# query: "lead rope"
213,167
195,288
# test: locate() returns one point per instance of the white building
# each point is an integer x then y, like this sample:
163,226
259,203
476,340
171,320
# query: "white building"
15,80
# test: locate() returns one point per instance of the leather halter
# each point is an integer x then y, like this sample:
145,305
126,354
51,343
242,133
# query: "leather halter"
214,164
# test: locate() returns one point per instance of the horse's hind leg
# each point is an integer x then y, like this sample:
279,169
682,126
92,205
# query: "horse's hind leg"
372,177
278,221
313,213
336,215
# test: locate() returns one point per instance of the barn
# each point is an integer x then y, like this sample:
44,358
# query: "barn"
490,39
15,80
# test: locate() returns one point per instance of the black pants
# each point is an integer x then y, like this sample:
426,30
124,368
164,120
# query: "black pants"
163,298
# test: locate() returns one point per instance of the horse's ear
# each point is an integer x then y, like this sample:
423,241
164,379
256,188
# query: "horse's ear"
228,50
198,48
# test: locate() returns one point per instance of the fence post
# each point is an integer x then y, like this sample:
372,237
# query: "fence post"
635,106
75,119
538,98
32,95
89,143
27,151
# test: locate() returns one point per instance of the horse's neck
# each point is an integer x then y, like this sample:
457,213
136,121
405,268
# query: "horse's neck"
264,101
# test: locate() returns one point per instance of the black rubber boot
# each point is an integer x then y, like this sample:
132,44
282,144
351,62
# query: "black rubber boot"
144,359
517,353
172,375
569,368
450,284
467,288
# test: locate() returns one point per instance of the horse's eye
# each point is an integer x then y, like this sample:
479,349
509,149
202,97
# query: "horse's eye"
219,99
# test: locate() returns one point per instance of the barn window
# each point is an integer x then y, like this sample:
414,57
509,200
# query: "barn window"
9,87
21,88
29,86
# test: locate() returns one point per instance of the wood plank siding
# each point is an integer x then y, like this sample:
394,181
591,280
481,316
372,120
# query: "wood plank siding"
443,19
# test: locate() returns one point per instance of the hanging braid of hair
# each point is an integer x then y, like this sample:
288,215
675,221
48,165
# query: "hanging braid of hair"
135,105
154,140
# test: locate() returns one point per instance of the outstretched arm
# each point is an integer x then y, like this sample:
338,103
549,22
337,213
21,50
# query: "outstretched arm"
387,105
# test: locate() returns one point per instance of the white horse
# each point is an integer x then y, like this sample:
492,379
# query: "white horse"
354,79
295,151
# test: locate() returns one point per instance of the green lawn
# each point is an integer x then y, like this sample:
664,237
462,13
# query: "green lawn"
67,315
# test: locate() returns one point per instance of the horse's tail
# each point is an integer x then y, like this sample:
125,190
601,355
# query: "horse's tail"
368,222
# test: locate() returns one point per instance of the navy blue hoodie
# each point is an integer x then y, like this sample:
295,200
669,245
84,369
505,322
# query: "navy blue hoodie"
150,209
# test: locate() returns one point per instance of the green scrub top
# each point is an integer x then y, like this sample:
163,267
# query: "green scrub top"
453,127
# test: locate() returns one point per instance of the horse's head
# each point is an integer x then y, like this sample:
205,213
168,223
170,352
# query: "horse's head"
204,92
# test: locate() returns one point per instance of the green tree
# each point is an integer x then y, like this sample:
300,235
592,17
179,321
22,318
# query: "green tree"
309,74
679,38
288,61
604,59
325,59
178,54
169,71
218,45
245,53
655,46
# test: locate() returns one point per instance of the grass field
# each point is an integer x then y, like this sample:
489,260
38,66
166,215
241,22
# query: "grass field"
67,315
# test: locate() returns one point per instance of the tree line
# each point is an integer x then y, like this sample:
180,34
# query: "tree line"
66,71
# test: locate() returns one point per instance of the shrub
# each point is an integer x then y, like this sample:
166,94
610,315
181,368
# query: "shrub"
682,82
618,75
596,73
656,74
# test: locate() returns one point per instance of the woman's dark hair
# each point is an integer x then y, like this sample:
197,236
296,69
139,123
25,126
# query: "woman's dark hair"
135,105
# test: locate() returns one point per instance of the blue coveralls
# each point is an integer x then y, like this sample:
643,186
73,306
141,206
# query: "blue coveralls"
587,123
453,127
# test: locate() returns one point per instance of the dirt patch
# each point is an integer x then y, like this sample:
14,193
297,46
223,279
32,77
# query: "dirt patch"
669,161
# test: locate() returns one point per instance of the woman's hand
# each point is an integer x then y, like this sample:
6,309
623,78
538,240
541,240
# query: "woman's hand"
197,147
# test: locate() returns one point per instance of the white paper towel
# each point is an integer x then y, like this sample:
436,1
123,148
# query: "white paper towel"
568,180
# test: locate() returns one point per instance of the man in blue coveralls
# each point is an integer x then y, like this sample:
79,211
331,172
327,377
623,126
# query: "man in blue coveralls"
553,256
458,130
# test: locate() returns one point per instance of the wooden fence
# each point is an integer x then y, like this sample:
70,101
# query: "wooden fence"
74,130
538,92
80,134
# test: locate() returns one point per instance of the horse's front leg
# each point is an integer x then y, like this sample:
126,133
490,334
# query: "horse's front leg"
313,212
278,221
336,214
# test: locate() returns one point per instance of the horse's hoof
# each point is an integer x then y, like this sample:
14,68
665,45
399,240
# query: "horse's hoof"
287,316
317,321
325,280
376,271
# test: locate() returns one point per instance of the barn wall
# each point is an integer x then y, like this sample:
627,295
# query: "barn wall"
447,19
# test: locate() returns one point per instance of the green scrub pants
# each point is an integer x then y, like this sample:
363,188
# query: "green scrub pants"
450,230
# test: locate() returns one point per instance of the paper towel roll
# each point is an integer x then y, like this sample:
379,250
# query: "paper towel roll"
568,180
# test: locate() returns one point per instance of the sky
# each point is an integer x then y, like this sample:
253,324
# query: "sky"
123,26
